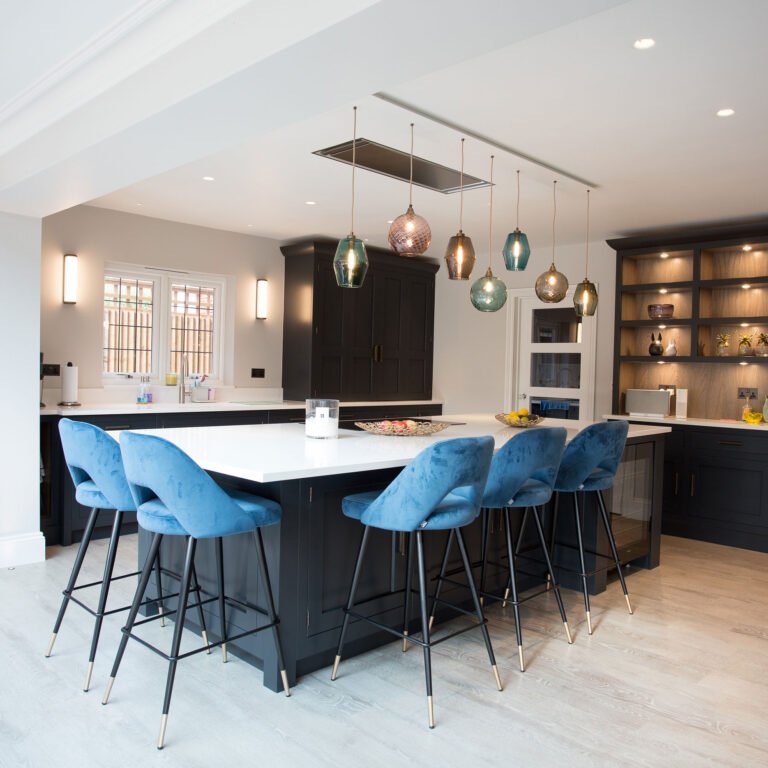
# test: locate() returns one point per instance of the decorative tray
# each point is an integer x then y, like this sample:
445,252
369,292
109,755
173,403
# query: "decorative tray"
512,420
404,428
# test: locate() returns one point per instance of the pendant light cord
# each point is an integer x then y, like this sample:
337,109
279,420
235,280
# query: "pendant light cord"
554,216
354,148
490,220
586,266
461,190
517,215
410,177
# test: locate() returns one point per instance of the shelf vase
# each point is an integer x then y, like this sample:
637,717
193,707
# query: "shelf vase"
761,350
722,350
745,350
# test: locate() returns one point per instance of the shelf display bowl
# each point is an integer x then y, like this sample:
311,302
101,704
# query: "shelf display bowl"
661,311
402,428
513,420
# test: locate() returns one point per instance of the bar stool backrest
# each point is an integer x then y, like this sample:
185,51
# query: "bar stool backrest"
157,469
458,466
533,454
597,447
93,455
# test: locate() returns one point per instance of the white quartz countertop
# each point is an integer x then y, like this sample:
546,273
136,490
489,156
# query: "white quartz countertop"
268,453
107,409
671,421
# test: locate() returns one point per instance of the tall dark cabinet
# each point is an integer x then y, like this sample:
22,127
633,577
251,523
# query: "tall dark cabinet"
368,343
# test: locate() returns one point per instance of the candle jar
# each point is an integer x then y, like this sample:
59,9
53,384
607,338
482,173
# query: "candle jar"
322,418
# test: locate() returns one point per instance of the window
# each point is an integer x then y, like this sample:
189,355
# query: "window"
152,318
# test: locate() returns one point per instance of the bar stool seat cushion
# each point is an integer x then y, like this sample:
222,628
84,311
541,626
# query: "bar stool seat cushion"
89,495
599,480
532,493
452,512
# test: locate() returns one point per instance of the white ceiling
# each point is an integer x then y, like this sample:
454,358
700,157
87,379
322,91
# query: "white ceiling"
246,94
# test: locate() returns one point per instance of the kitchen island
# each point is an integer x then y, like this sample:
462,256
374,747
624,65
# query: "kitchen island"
311,552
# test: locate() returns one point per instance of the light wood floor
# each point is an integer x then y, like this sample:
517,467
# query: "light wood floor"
683,682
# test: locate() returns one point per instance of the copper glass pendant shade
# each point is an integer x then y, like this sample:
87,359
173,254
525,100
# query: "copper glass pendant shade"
551,286
585,298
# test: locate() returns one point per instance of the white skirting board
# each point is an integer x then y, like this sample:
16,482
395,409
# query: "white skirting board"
21,549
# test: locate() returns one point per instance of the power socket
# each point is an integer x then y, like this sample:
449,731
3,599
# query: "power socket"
745,392
257,373
50,369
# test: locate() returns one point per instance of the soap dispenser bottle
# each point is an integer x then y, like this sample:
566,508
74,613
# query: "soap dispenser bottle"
765,409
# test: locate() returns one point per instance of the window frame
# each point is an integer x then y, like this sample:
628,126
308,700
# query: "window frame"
162,279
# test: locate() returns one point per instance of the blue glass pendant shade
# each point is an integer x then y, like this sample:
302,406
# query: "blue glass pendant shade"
585,298
516,251
350,262
488,294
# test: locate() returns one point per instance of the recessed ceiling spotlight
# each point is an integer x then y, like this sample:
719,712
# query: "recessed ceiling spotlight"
250,225
744,325
745,286
644,43
662,327
310,202
725,112
746,248
660,362
139,205
743,363
208,178
664,255
663,290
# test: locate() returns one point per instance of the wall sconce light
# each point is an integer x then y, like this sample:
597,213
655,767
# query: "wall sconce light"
70,278
261,299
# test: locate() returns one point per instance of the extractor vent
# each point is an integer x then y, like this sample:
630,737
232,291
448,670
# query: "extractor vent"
392,162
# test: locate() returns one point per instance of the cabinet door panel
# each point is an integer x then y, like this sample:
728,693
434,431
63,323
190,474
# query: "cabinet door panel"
328,323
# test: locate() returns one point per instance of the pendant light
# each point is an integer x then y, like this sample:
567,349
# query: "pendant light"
409,234
585,298
551,286
351,261
460,253
516,249
489,294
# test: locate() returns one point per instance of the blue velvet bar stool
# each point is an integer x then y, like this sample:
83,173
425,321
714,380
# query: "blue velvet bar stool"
176,497
589,464
521,477
94,462
439,490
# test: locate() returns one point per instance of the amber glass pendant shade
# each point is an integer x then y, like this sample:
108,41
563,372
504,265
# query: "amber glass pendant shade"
488,294
409,234
585,298
350,262
551,286
459,257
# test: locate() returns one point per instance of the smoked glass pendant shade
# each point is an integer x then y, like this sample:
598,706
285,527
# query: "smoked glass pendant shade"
488,294
460,257
585,298
409,234
551,286
350,262
516,251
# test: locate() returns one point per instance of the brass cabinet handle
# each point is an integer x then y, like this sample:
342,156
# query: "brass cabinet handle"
736,443
693,484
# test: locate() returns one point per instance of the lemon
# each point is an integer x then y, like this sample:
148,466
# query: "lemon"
522,412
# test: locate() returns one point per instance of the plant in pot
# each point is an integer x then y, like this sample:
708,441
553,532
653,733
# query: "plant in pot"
745,344
761,348
722,340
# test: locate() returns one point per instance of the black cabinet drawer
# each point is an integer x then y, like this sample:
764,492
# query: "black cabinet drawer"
213,419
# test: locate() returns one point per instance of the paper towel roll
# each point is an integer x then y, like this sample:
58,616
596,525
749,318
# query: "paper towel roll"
69,385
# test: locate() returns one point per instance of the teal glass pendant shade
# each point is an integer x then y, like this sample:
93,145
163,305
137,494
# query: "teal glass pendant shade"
488,294
585,298
516,251
460,257
350,262
551,286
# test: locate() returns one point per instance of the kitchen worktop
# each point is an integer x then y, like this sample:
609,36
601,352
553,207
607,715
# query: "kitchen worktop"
671,421
267,453
99,409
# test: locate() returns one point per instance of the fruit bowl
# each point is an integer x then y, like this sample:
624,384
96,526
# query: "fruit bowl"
513,420
402,428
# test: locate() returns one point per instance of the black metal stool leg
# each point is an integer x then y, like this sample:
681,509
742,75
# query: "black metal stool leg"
513,584
195,587
78,564
173,660
517,551
109,566
146,572
478,607
407,600
443,569
425,627
220,586
484,530
553,531
580,541
350,600
271,610
612,543
159,588
551,574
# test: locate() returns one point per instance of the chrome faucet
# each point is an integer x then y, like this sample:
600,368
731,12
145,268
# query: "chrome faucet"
182,379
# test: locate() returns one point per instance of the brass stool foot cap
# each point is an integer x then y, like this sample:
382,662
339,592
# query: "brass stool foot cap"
284,678
88,677
431,711
568,633
161,737
50,646
405,640
522,658
162,615
506,597
335,667
589,622
108,690
629,605
204,634
498,679
431,622
224,656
